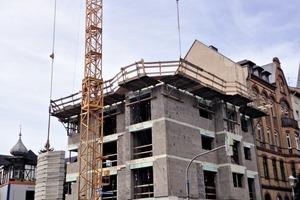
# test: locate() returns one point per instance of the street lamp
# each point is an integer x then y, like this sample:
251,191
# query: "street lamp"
228,148
292,183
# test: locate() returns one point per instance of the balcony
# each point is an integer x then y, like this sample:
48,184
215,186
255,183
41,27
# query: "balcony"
289,122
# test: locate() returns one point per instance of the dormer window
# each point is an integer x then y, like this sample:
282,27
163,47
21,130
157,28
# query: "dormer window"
265,76
257,71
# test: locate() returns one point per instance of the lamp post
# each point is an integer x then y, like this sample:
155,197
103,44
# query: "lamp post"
292,184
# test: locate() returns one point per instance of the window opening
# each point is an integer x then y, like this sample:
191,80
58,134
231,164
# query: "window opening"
235,156
210,187
286,198
297,141
110,122
265,166
29,195
206,142
111,188
259,133
205,111
247,153
142,144
110,154
143,183
274,165
276,139
288,140
282,170
251,188
267,196
231,119
269,136
293,169
244,123
237,180
141,109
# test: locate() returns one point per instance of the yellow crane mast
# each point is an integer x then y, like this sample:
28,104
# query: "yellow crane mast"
91,132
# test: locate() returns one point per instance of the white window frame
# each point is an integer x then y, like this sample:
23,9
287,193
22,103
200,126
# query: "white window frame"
269,136
288,140
276,138
297,142
259,133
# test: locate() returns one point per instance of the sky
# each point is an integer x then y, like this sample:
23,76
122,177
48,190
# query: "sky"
132,29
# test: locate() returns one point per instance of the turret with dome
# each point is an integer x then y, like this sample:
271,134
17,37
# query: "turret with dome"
19,166
19,148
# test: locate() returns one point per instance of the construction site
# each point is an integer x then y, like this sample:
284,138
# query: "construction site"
192,128
156,115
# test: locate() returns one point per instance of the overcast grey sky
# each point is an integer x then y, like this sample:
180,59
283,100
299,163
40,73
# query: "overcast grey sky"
132,29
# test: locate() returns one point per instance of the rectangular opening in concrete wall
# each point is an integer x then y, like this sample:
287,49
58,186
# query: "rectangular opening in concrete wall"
207,142
237,180
142,143
140,108
110,154
231,118
251,188
247,153
72,125
110,122
244,124
210,187
235,149
111,189
205,111
143,183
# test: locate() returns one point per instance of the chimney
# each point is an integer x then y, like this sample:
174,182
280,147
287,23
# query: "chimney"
213,48
276,62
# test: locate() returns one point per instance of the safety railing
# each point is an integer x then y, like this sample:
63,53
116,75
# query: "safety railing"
160,69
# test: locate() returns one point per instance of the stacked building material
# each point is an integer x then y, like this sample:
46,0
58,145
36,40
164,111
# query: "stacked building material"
50,176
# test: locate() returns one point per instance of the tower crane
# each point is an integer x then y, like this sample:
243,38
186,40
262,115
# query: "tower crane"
91,175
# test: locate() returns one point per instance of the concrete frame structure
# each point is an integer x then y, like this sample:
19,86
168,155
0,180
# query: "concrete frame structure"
277,135
158,115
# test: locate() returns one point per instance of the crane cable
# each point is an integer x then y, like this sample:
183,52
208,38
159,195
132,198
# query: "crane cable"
178,24
47,145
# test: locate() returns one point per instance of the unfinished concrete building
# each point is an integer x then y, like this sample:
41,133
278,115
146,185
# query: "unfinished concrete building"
158,116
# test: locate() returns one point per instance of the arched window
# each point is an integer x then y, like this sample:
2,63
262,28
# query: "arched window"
269,136
279,197
274,165
264,98
293,169
284,109
267,196
276,139
282,170
286,197
259,133
265,166
281,85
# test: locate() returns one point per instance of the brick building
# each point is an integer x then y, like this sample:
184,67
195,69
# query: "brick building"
276,135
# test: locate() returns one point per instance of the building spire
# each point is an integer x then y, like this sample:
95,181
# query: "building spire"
20,134
19,148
